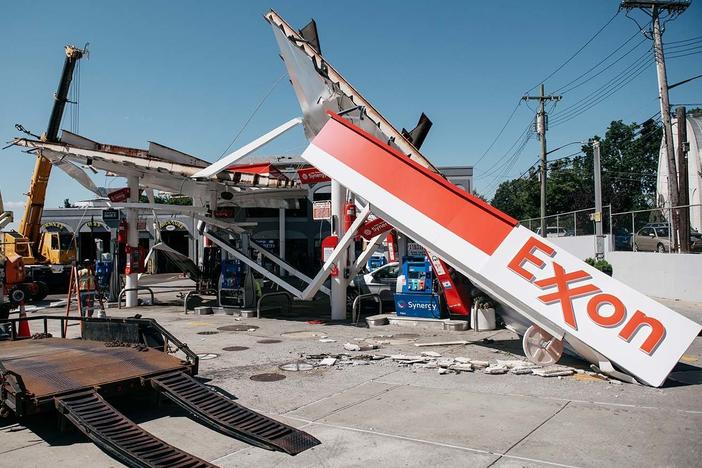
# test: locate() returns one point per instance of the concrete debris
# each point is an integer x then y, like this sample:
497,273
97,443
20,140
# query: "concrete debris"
515,363
553,371
330,361
359,347
462,360
461,368
445,362
327,340
443,371
359,363
495,370
431,354
479,364
521,370
443,343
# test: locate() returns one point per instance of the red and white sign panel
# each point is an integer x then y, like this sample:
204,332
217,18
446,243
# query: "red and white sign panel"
321,210
119,195
525,273
311,175
373,228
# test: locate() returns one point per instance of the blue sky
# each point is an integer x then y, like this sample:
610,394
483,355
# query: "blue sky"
189,74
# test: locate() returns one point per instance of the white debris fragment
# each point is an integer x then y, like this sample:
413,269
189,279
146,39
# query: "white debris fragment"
444,362
553,371
330,361
479,364
443,371
521,370
461,367
462,360
431,354
251,329
351,347
327,340
495,370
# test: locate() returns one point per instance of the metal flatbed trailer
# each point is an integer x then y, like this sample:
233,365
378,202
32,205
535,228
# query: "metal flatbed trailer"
76,376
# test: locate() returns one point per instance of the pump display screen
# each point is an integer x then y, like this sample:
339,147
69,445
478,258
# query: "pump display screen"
414,274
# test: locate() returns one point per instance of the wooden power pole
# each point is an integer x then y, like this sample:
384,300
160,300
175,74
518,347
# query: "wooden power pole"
654,9
541,127
683,181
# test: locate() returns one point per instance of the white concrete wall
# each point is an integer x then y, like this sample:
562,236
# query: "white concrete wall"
670,276
580,246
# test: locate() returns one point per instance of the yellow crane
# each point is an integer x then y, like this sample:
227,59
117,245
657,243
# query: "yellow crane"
46,256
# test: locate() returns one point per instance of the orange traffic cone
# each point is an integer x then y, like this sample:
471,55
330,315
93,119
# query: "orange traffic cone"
23,331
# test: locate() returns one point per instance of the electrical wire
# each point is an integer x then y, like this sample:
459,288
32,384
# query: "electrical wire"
560,67
565,88
260,104
499,134
686,40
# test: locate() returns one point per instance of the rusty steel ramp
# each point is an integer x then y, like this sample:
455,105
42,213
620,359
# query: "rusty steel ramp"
123,439
224,415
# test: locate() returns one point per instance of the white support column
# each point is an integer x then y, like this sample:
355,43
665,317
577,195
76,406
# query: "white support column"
132,239
338,283
281,237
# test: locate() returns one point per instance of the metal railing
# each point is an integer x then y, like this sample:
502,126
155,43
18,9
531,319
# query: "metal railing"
355,308
570,223
625,226
137,289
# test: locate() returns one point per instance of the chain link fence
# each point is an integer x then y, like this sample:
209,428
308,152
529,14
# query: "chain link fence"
571,223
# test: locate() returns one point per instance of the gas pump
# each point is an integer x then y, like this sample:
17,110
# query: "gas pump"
415,295
231,284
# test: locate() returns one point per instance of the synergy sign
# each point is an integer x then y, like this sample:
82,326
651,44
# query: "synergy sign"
641,335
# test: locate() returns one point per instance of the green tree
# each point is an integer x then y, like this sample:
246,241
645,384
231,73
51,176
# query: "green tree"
629,161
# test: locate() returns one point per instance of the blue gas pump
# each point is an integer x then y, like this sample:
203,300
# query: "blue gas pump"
417,297
103,273
231,283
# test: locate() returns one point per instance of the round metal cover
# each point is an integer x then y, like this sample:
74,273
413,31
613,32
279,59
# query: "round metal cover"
267,377
269,341
235,348
540,347
207,332
297,367
237,328
206,356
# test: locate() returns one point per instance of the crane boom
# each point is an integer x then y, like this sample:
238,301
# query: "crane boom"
30,224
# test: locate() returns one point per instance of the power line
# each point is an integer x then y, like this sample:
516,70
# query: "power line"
509,119
562,88
576,52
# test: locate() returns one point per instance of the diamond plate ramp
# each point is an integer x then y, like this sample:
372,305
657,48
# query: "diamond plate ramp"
120,437
230,418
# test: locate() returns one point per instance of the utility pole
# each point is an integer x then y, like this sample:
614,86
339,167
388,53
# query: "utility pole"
541,127
599,237
654,9
683,181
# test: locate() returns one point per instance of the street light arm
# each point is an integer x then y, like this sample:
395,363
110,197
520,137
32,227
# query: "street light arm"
567,144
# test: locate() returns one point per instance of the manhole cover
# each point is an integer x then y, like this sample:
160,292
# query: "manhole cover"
206,356
207,332
304,334
296,367
268,341
267,377
237,328
235,348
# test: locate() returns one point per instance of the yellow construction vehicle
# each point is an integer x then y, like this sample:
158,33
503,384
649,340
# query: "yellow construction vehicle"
47,256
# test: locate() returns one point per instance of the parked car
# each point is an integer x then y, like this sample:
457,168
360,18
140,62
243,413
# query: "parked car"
381,281
652,238
622,239
695,241
553,231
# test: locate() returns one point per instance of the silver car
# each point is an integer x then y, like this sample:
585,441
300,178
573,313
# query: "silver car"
653,238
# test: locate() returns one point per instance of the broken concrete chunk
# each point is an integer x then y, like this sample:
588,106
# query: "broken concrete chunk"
327,340
443,371
431,354
351,347
521,370
330,361
359,347
553,371
461,368
479,364
495,370
445,362
462,360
